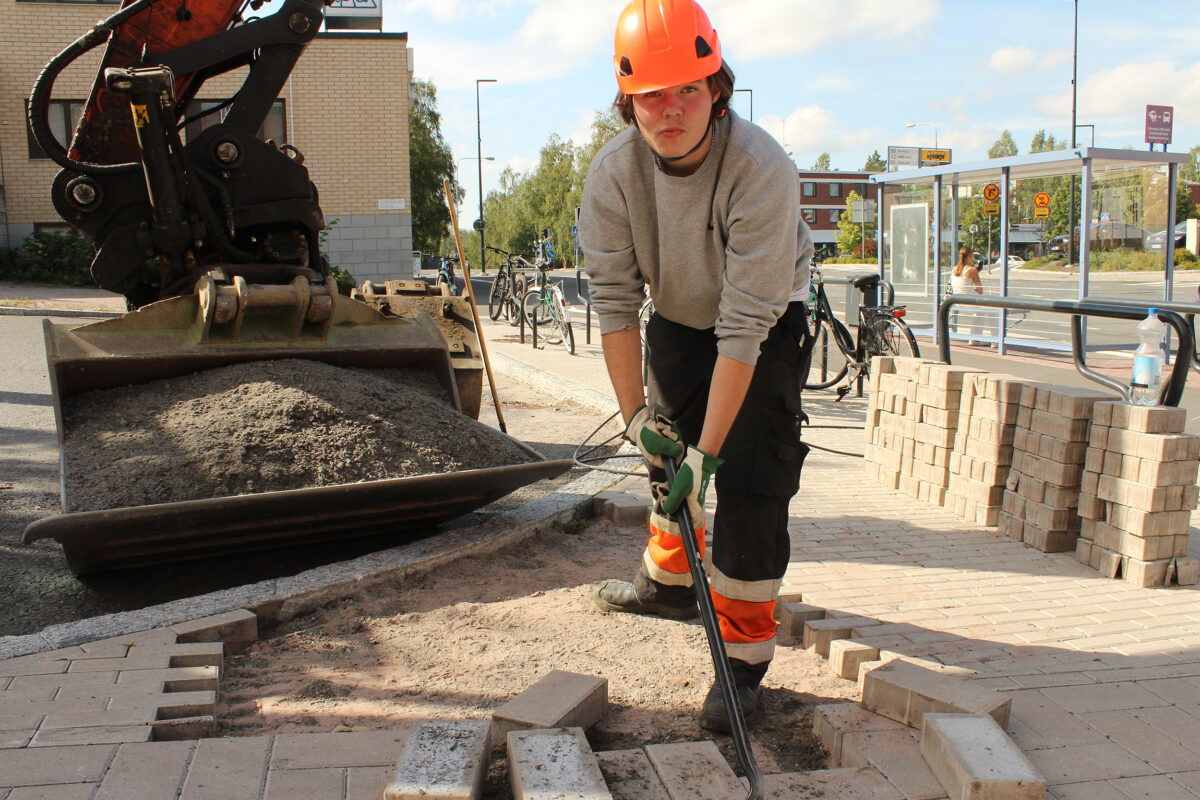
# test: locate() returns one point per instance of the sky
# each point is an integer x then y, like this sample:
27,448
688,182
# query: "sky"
837,76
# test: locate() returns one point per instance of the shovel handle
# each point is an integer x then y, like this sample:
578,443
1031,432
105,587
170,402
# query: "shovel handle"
716,645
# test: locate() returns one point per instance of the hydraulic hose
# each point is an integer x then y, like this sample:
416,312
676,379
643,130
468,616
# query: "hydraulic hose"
39,98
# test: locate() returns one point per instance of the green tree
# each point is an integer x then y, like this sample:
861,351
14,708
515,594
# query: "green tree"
875,163
850,234
987,226
822,162
1184,207
430,162
1044,143
1004,146
1191,170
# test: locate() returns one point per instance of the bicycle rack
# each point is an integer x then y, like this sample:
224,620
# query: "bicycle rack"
1172,391
885,296
586,296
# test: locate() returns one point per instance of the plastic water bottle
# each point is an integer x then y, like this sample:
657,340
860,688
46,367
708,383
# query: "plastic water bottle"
1146,381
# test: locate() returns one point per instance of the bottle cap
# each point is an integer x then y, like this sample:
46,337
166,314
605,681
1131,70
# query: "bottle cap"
1152,310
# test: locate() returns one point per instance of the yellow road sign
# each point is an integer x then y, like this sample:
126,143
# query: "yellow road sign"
930,155
991,207
1041,213
1041,200
991,192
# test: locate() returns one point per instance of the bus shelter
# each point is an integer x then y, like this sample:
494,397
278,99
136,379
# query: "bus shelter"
1024,217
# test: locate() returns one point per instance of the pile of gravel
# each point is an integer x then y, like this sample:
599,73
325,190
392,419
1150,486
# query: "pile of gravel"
266,426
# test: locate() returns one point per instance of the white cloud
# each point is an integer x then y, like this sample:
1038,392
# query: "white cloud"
1125,90
811,130
769,28
447,10
1011,61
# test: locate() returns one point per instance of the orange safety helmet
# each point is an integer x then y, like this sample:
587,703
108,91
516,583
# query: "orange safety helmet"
661,43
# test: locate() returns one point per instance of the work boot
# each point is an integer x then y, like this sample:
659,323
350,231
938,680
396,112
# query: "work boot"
746,678
646,596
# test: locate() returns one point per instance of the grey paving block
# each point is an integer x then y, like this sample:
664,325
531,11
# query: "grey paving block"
47,765
904,692
847,783
831,721
442,759
695,771
148,771
974,759
554,764
897,755
557,700
235,628
630,775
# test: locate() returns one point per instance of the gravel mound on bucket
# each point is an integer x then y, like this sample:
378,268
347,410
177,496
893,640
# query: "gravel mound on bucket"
266,426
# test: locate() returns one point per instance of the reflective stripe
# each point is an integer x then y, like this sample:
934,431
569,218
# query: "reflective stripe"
745,622
656,573
665,551
753,652
659,522
750,591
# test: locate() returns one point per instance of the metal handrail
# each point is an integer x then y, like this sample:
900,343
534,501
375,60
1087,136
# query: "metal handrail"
1187,310
1172,391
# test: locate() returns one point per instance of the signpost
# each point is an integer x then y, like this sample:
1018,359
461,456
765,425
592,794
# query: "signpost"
1159,121
1041,205
932,157
904,156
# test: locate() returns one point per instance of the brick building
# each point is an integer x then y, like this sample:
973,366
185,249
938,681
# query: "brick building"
823,196
345,107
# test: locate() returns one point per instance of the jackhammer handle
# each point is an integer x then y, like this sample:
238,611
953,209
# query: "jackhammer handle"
716,645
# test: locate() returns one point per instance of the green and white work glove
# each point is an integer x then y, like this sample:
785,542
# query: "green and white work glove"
655,436
691,484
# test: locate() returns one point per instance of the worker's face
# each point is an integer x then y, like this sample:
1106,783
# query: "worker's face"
674,120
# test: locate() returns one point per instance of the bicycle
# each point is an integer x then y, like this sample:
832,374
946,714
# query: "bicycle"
508,287
544,304
881,332
445,275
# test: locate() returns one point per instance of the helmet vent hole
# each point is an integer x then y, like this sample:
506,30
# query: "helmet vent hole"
626,67
702,48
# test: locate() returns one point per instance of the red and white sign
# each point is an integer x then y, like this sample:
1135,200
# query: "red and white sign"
991,192
1158,124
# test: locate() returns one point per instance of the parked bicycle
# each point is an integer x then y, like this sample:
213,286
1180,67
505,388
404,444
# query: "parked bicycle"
445,275
840,358
544,302
508,287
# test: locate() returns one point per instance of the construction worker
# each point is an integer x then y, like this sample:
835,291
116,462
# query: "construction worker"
702,207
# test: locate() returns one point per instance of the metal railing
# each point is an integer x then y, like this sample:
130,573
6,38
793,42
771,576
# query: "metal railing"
1172,390
1187,310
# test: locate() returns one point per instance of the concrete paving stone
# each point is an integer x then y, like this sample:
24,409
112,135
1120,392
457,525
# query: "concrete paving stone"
1152,787
227,769
184,728
169,705
48,765
366,783
793,615
557,700
442,759
91,719
32,668
1173,723
818,633
71,791
831,721
347,749
1076,763
846,654
146,771
695,771
1144,741
1090,790
905,691
1189,780
897,755
100,734
19,722
847,783
974,759
1104,697
48,706
138,661
305,784
16,738
237,629
173,679
554,763
21,683
196,654
630,775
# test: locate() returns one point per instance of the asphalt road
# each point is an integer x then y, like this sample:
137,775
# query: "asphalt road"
40,589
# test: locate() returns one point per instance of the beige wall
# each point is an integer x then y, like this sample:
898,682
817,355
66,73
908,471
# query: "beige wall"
346,104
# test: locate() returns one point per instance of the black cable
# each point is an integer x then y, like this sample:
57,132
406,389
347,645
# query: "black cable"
581,458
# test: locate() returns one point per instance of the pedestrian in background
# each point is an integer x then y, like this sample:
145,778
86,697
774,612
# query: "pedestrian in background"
965,280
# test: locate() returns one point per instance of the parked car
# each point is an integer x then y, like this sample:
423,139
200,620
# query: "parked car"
1013,261
1154,241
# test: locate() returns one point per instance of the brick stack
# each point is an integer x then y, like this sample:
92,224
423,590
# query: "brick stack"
1040,502
983,446
889,427
1138,492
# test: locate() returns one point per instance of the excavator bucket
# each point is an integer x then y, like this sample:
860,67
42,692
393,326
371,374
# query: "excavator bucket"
223,325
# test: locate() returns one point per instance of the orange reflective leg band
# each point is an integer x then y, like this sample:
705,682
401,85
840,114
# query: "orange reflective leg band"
747,628
666,560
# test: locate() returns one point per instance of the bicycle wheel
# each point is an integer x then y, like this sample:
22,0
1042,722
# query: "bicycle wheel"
512,305
829,363
537,301
568,338
496,296
891,337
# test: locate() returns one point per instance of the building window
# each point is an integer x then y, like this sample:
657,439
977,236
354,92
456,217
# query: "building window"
835,190
809,215
810,189
273,127
63,117
834,215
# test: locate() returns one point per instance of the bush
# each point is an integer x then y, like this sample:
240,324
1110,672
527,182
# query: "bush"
51,258
345,281
1186,259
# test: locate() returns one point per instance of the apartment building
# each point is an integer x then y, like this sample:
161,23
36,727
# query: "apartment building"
823,199
345,107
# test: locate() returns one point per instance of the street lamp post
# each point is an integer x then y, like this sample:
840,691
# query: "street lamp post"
458,165
479,157
751,93
1093,127
1074,143
930,124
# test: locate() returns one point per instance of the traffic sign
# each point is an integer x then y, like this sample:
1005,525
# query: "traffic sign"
1158,124
991,192
904,156
1041,200
991,207
1041,213
931,156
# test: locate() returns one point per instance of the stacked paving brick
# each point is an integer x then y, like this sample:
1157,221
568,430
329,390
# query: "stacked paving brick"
1138,492
989,405
1050,444
912,419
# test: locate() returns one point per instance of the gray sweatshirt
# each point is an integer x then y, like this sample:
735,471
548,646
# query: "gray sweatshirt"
721,248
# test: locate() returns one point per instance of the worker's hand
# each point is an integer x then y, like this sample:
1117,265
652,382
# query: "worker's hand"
691,484
655,436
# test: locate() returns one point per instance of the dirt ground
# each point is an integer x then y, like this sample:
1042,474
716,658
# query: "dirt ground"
462,640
